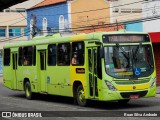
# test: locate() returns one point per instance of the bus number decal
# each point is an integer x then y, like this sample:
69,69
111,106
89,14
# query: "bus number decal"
80,70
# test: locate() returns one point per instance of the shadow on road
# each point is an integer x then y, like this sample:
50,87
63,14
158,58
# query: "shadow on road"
101,105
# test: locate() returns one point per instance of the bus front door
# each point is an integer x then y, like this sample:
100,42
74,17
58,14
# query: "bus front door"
42,60
14,62
92,66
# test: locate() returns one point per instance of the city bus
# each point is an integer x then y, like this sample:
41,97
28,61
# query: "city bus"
103,66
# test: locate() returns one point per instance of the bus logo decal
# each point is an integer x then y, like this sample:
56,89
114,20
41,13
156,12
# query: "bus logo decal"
134,87
80,70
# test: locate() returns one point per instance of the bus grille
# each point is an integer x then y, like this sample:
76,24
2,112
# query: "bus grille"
128,82
128,94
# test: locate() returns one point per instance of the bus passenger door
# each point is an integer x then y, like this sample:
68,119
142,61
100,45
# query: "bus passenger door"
42,64
92,66
14,62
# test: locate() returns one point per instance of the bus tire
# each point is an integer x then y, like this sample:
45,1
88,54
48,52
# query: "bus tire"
125,101
28,92
80,96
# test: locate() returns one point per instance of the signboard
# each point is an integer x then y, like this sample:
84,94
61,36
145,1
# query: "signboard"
125,38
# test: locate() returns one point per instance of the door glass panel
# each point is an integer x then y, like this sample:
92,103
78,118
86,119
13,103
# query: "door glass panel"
13,61
91,84
42,60
90,60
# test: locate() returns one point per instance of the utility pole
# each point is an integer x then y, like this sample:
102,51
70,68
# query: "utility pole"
117,24
33,26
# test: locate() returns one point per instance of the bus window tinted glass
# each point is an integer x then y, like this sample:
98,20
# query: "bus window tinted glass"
6,60
34,56
20,57
27,56
77,53
64,54
52,55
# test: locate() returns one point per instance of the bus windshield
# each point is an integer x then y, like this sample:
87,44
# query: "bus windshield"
128,62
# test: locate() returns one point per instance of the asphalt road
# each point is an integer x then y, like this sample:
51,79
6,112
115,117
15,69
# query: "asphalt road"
63,107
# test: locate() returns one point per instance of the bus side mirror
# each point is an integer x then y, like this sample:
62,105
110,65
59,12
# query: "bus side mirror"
101,52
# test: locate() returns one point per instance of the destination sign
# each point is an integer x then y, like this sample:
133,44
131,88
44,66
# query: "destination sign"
124,38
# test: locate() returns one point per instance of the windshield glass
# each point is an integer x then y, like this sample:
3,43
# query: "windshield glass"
128,61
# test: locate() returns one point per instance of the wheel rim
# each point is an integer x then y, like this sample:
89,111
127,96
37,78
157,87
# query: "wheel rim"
81,96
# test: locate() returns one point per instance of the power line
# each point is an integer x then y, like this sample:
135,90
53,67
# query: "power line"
96,26
74,23
12,38
16,22
121,22
103,18
89,10
11,20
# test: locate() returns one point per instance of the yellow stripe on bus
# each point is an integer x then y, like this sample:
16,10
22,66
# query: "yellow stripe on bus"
133,87
78,37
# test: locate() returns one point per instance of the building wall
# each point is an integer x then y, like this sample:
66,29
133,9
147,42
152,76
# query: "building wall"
25,5
121,12
96,17
52,14
134,26
151,9
14,25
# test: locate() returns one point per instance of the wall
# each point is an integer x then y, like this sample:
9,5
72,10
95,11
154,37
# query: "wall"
125,12
151,9
137,27
51,13
12,20
98,17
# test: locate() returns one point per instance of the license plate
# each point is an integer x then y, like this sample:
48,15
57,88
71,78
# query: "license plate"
134,96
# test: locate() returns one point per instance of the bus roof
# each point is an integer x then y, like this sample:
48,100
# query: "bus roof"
57,38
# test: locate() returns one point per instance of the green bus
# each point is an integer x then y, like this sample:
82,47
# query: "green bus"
105,66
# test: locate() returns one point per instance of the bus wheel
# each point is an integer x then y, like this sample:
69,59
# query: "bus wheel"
80,96
123,101
28,92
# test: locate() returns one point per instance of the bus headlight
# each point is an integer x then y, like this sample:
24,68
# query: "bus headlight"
110,86
153,82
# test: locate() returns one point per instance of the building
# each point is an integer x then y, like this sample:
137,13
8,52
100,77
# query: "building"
47,17
13,24
125,10
70,15
90,16
151,10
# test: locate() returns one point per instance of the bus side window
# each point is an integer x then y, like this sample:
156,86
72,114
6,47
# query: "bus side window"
6,60
64,54
20,61
77,53
34,55
52,55
27,56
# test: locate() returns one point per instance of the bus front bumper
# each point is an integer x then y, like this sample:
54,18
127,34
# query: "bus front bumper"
109,95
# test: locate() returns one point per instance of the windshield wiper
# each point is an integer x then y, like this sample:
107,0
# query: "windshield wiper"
136,52
123,51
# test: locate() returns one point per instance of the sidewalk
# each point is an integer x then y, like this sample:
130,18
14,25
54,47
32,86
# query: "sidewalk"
158,90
